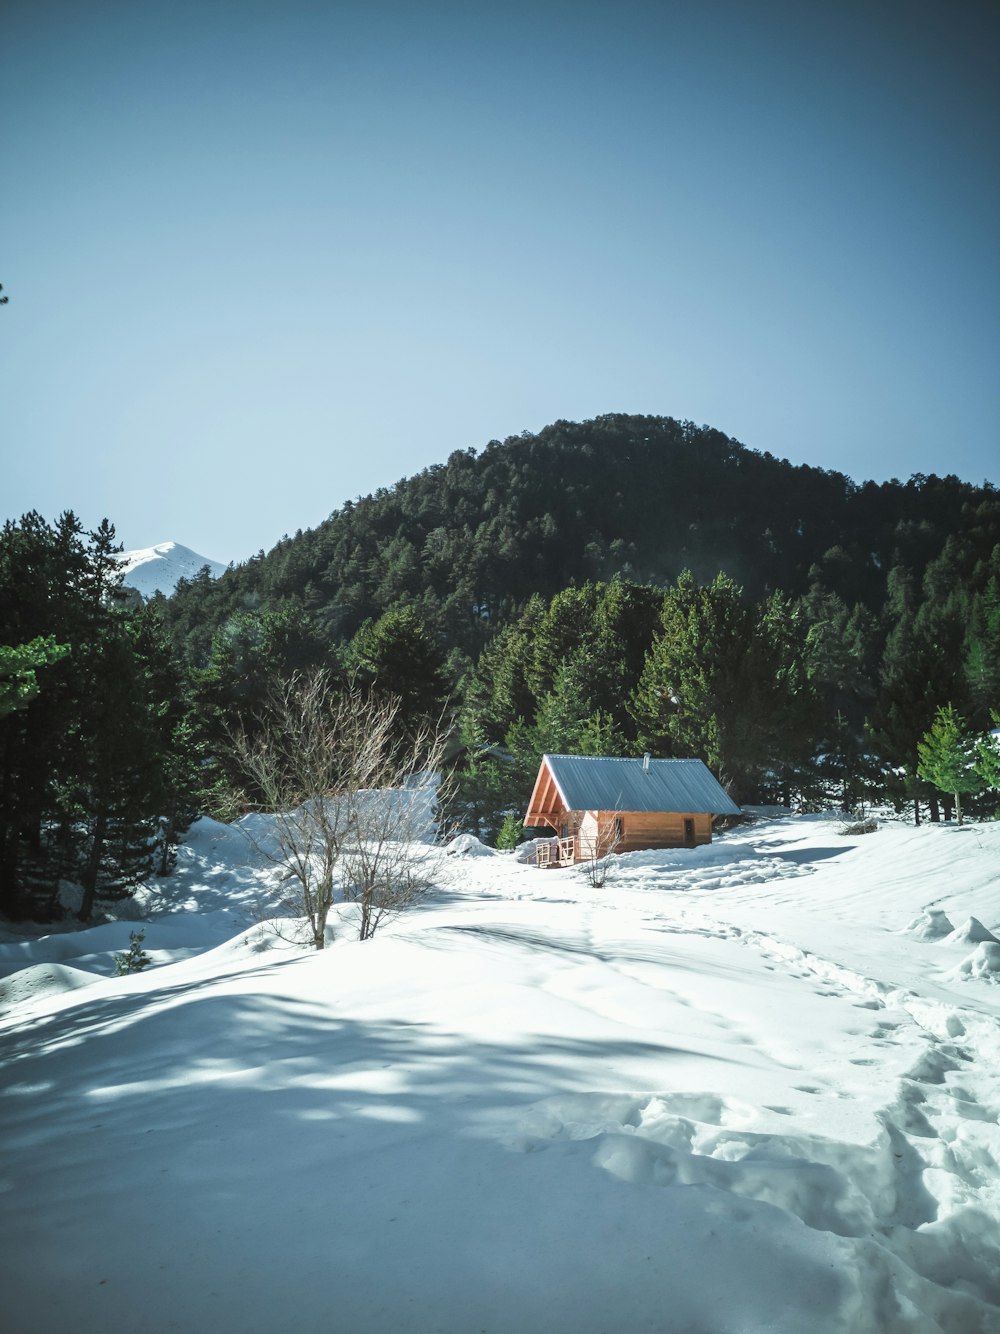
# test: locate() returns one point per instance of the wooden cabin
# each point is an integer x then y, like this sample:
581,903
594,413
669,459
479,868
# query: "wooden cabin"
601,804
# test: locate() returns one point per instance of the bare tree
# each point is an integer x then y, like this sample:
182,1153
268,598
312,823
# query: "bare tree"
349,800
389,864
599,846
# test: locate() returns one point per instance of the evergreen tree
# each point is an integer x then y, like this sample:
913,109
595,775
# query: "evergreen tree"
921,671
396,655
135,958
42,574
19,667
840,647
947,756
987,763
230,694
496,692
82,767
982,650
726,681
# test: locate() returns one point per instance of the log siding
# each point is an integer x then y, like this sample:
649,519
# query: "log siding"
594,833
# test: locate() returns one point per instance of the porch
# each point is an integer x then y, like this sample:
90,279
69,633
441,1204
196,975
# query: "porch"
556,852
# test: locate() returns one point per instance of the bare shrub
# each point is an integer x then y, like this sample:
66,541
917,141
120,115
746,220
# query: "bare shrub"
349,795
389,864
859,827
598,851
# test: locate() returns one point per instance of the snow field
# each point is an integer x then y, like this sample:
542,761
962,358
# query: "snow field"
750,1086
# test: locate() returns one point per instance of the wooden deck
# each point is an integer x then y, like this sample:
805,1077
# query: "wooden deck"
556,852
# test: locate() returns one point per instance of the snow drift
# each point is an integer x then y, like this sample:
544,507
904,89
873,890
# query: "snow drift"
729,1091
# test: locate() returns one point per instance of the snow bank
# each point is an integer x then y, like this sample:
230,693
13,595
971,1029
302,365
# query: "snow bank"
40,980
971,932
467,845
983,962
932,924
723,1093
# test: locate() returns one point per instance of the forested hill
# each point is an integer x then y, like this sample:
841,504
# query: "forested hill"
470,540
801,634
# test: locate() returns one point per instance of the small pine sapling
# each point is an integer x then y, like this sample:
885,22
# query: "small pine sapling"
511,832
946,756
135,958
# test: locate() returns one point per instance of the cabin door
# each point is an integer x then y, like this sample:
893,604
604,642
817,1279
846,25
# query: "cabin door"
688,831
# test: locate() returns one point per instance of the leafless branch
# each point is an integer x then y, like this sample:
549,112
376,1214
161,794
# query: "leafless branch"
350,794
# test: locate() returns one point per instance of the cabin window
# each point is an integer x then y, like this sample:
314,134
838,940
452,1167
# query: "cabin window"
619,829
688,829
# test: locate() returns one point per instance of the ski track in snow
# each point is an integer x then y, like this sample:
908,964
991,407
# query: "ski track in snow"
857,1080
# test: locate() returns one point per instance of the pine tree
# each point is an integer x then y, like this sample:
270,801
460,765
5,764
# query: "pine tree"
135,958
726,681
19,666
42,577
839,653
84,768
921,671
947,756
397,656
987,763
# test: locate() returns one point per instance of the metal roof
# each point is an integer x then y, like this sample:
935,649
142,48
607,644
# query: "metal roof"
606,783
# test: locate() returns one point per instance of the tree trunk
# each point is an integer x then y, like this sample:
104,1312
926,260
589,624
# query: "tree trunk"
916,811
958,807
89,878
932,802
10,889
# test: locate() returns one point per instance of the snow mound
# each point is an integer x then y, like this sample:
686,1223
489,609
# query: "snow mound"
527,852
467,845
158,569
932,924
971,932
984,962
42,979
778,1115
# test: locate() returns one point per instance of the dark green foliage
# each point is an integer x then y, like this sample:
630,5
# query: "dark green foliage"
249,656
19,667
988,756
536,592
556,681
537,566
947,755
135,958
727,681
841,658
921,671
397,655
89,766
511,832
470,541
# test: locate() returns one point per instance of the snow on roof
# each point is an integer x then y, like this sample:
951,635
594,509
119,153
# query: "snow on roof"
610,783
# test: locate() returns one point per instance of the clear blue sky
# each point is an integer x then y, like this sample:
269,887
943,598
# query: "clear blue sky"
265,257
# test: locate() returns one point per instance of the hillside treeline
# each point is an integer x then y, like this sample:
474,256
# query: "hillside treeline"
468,542
626,584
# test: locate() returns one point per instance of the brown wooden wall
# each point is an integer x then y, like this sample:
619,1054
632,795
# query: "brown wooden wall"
641,829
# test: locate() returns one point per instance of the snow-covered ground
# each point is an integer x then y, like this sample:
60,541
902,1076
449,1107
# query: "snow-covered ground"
152,569
753,1086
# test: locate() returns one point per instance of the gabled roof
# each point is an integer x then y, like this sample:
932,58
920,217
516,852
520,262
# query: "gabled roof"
607,783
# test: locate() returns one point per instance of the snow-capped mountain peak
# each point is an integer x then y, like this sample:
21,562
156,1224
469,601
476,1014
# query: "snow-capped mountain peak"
149,569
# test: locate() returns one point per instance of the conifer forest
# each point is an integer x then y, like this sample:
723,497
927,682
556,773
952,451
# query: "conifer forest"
614,586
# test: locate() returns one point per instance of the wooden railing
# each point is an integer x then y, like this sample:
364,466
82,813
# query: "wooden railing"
556,852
